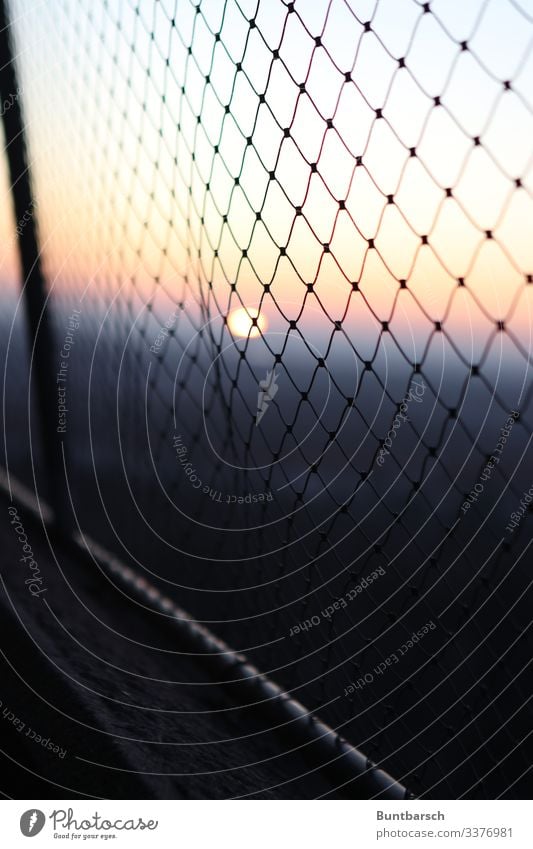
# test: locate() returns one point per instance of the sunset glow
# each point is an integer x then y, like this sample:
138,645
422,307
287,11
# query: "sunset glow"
354,171
247,322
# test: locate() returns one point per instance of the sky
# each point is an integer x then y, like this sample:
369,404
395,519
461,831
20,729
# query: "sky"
153,142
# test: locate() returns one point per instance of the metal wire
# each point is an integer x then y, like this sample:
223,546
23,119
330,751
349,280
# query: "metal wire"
332,199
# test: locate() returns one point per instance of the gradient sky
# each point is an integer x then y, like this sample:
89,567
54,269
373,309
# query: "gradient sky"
121,161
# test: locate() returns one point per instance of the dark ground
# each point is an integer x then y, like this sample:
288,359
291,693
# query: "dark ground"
453,720
106,682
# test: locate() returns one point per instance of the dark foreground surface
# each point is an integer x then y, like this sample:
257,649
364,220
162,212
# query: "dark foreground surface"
99,700
450,719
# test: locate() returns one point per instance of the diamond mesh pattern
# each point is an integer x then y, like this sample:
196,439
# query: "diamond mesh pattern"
355,178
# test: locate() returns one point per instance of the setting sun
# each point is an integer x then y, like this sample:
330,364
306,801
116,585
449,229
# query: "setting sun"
247,322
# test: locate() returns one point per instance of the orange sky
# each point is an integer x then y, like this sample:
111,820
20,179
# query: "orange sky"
116,212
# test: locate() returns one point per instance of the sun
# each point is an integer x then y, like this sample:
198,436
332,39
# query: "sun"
247,322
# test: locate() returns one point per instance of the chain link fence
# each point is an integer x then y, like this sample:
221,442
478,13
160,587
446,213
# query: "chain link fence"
288,251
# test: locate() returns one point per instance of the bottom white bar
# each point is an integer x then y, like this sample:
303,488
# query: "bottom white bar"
264,825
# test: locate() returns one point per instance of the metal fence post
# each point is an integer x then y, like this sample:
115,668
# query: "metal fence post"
34,288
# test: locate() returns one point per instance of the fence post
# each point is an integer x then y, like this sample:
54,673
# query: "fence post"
41,337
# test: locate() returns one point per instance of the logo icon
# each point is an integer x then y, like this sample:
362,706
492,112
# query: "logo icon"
32,822
267,391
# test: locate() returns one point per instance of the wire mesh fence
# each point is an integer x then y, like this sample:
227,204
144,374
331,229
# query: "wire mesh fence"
288,252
